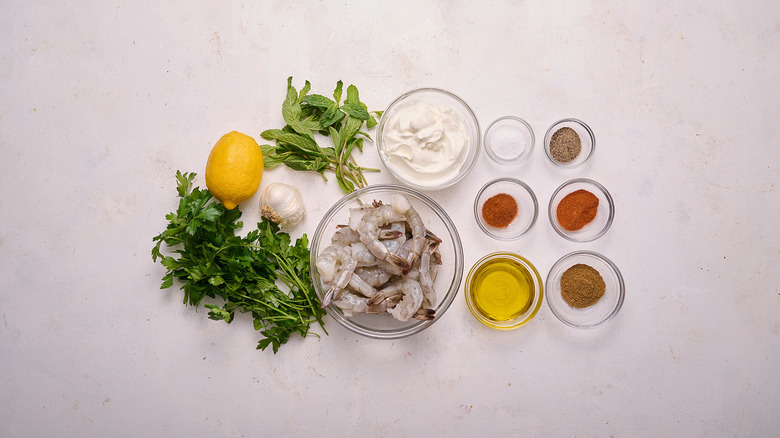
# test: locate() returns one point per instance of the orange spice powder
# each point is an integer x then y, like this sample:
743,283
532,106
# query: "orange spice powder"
577,209
499,210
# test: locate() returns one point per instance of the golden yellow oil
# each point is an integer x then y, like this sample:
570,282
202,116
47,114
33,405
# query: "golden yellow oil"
502,289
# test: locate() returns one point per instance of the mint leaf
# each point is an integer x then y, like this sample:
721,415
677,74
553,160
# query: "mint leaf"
331,116
352,95
356,111
318,101
337,92
291,107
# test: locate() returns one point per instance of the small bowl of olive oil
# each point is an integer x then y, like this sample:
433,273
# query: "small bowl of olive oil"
504,290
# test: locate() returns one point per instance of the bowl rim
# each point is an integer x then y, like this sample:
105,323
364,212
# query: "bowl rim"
612,266
549,134
452,291
520,159
552,214
518,182
532,312
467,165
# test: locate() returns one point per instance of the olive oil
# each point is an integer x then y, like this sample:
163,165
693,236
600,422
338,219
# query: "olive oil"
502,289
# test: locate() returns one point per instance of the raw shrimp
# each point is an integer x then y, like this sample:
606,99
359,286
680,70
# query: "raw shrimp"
360,286
411,301
418,232
391,289
405,251
351,303
364,258
369,229
335,265
426,281
416,225
362,255
394,243
406,290
435,266
374,276
345,235
356,214
385,305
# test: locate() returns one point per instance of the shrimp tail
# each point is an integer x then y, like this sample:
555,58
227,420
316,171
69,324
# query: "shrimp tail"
376,299
425,314
399,261
389,298
409,261
390,234
430,236
376,308
328,297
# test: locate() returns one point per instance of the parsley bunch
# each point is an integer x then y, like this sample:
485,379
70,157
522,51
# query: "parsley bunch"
210,260
310,114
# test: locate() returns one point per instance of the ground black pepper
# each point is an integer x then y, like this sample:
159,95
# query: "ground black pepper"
565,145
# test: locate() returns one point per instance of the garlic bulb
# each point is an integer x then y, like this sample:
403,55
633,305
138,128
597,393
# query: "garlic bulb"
282,203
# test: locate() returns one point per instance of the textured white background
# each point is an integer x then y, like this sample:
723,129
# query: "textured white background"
101,102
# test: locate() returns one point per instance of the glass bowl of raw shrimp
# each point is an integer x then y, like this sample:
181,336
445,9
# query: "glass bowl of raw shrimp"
387,261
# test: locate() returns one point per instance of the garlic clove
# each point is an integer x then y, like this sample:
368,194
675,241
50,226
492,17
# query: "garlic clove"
282,203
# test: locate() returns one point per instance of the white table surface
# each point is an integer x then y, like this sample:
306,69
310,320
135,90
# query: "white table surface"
102,102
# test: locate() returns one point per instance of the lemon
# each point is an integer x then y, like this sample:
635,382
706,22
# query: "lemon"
234,169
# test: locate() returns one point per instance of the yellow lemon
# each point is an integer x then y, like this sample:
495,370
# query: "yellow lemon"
234,169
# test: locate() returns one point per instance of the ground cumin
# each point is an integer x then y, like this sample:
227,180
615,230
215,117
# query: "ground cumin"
499,210
582,286
577,209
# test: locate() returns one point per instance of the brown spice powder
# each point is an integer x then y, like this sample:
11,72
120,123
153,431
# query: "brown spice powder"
565,145
582,286
499,210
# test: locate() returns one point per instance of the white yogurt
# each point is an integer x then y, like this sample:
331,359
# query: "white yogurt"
425,144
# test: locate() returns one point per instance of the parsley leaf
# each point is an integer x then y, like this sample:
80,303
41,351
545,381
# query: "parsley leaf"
209,260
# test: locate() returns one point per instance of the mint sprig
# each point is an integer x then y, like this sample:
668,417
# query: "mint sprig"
308,115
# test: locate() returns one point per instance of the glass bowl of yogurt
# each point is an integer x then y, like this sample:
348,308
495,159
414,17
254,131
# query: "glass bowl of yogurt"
428,139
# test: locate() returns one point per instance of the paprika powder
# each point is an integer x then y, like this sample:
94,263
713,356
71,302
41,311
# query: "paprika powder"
499,210
577,209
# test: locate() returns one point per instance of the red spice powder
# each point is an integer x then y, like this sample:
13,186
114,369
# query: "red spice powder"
577,209
499,210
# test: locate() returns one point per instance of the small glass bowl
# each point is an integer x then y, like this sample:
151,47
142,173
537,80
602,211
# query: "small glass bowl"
509,140
604,215
587,139
448,278
605,309
527,208
400,169
503,290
